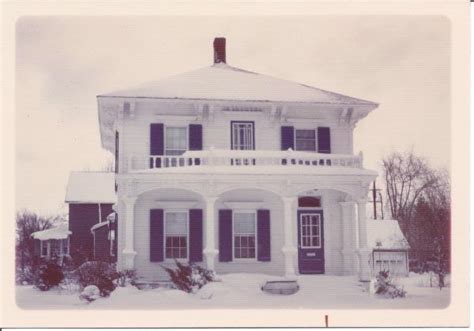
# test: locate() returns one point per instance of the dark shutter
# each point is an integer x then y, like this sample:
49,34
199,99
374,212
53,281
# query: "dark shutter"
156,235
324,140
225,235
195,235
263,235
195,137
37,247
157,141
287,138
116,152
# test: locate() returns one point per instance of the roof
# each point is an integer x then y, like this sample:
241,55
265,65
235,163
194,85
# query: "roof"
91,187
223,82
110,219
59,232
385,234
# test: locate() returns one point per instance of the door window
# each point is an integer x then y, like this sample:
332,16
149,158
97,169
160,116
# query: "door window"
310,231
242,136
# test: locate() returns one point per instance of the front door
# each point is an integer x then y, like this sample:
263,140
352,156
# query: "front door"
310,242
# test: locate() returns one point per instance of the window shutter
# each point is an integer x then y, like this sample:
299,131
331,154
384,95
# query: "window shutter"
156,235
324,140
195,137
157,142
116,152
37,247
195,235
225,235
263,235
287,138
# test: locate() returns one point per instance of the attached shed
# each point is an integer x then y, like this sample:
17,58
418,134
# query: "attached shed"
53,242
389,247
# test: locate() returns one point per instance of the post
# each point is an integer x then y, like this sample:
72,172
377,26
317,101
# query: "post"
364,251
129,249
348,236
289,249
210,250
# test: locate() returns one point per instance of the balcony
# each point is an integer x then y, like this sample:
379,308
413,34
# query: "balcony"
244,159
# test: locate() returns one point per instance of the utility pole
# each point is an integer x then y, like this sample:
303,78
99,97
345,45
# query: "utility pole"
376,198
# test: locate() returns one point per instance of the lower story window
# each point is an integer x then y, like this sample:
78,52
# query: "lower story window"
176,235
44,248
244,235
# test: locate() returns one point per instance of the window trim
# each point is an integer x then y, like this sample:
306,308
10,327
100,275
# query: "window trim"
168,211
315,139
245,211
166,127
301,231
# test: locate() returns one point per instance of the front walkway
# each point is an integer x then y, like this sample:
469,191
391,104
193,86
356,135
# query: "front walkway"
243,291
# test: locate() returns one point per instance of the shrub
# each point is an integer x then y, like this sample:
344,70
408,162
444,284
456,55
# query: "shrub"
127,276
384,286
49,274
189,277
100,274
90,293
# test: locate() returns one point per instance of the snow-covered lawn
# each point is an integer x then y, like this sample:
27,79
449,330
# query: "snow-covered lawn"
243,291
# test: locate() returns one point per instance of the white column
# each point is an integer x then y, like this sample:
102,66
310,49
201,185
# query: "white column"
210,250
129,249
348,236
289,249
364,251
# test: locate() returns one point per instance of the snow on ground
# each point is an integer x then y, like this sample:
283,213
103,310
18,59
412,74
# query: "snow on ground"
243,291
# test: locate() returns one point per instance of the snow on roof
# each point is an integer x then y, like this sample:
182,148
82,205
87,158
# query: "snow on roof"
59,232
99,225
385,234
223,82
91,187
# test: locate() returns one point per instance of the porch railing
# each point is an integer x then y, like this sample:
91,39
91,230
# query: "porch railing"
245,158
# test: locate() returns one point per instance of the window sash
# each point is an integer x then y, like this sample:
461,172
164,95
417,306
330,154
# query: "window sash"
244,235
176,235
176,140
305,140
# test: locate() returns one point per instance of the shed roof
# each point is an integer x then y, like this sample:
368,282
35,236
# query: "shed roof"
223,82
59,232
385,234
91,187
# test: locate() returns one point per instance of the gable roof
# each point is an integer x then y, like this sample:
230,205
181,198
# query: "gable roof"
223,82
385,234
91,187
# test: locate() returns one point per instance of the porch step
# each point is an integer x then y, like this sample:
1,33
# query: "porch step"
285,287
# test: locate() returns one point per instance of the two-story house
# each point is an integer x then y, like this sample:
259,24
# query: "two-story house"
239,171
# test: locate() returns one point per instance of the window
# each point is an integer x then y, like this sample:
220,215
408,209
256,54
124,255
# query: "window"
176,141
305,140
176,235
242,136
244,235
309,202
112,239
65,248
44,248
310,231
55,247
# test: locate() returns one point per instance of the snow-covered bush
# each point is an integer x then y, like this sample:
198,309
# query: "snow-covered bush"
189,277
100,274
384,286
49,274
127,276
90,293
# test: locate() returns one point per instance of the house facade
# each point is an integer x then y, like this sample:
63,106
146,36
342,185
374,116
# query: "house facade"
239,172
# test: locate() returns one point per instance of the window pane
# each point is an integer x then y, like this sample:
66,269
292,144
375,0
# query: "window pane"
244,223
175,139
305,134
305,145
176,223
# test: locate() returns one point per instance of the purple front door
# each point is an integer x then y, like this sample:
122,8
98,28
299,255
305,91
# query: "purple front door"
310,242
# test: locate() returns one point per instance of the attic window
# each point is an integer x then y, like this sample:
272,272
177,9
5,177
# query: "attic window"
242,109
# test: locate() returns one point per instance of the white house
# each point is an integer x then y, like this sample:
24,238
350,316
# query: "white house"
239,171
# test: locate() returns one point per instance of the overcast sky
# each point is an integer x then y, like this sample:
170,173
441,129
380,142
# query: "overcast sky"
401,62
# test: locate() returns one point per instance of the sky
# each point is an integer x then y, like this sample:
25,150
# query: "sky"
62,63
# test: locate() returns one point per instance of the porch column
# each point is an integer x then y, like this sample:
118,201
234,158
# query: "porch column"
289,249
129,249
348,236
364,251
210,250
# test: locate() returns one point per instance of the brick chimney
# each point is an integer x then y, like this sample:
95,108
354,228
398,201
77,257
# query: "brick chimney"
219,50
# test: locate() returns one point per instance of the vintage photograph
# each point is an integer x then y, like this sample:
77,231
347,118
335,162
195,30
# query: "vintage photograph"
233,162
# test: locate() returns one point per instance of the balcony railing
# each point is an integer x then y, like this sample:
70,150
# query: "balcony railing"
245,158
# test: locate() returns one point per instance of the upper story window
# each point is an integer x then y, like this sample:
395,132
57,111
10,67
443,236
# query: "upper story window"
243,136
176,140
305,140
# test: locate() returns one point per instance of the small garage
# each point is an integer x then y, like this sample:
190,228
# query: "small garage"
389,247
